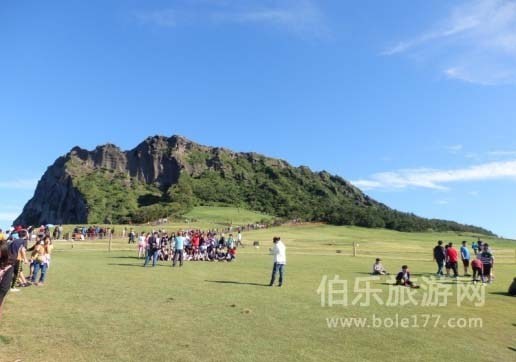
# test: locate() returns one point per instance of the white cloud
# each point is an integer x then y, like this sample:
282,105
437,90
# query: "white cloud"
302,17
8,216
502,153
454,149
475,43
437,179
474,193
441,202
19,184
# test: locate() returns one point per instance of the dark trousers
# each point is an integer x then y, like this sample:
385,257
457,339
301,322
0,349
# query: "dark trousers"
275,269
151,254
453,266
440,266
178,255
17,270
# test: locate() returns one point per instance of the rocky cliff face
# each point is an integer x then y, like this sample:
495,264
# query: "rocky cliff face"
168,175
157,163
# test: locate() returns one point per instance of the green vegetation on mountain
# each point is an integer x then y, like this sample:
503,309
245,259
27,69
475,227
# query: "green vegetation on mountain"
164,177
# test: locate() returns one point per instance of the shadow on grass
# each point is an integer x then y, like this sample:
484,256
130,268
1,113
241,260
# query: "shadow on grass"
391,274
139,265
505,294
234,282
125,257
512,349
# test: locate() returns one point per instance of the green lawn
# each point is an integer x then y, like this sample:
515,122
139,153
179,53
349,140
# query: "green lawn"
100,306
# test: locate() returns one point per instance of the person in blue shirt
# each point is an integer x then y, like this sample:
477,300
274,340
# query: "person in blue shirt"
465,256
179,244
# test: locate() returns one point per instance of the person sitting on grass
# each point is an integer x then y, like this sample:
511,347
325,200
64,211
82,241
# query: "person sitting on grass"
477,267
378,268
403,278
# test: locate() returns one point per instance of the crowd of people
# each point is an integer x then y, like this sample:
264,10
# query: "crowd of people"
191,245
15,253
447,259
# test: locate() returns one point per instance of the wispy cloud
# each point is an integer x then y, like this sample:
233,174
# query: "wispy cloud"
502,153
454,149
19,184
302,17
8,217
438,179
441,202
474,43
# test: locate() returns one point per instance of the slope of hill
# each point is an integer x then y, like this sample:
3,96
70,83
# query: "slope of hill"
164,176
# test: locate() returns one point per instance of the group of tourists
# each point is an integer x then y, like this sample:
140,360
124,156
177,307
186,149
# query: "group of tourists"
447,257
15,253
191,245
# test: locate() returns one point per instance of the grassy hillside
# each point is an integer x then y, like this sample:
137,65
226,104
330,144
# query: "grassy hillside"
105,307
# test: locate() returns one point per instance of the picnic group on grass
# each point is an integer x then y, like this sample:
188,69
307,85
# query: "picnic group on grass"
191,245
447,258
15,253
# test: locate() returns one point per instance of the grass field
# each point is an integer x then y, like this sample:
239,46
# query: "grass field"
100,306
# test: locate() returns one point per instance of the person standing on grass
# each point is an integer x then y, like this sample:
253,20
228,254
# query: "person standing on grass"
465,256
6,273
141,245
179,244
487,259
280,259
18,256
239,239
40,263
453,258
153,247
440,257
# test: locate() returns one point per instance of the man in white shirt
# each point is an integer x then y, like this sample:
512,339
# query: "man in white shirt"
280,259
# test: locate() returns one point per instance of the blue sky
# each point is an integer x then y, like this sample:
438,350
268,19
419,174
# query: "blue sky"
411,100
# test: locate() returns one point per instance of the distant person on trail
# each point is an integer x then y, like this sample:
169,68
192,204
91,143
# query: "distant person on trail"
474,246
6,274
440,257
453,258
141,245
403,278
280,259
153,247
465,256
179,244
239,239
132,237
378,268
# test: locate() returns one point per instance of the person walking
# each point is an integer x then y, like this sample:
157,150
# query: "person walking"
453,258
239,239
465,256
280,259
440,257
153,244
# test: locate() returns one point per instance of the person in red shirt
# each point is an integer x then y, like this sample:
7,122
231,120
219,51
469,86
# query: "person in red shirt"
477,267
452,257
